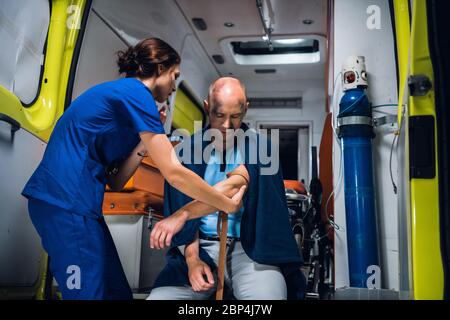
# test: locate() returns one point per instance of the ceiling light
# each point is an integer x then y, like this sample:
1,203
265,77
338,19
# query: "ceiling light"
289,41
257,52
229,24
308,21
275,59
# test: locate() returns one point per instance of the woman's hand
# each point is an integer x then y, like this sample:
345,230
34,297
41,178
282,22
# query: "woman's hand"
197,271
237,199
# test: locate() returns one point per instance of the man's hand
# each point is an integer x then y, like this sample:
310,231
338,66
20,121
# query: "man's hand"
164,230
163,114
197,271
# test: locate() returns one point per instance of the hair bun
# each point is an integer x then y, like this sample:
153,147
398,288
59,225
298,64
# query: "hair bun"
132,56
127,62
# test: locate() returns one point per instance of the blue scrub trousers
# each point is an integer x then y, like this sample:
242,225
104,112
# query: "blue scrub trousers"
83,257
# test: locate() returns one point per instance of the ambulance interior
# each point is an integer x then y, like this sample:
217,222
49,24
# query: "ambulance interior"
289,55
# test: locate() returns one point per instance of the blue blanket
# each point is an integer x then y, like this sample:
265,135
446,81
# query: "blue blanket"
266,235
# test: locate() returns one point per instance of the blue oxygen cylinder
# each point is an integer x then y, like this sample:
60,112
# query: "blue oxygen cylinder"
356,133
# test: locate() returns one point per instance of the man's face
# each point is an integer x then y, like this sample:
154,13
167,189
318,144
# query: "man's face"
226,114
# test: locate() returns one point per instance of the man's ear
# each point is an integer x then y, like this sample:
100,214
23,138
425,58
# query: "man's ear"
246,107
206,106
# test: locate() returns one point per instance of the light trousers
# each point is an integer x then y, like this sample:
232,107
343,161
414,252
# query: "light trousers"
247,279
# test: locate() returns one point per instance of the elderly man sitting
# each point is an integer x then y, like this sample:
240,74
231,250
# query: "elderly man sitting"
263,260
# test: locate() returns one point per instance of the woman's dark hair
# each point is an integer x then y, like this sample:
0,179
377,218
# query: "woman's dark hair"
142,59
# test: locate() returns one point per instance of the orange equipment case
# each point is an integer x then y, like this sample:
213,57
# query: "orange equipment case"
144,191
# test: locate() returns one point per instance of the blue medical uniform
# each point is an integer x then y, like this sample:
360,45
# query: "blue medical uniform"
101,127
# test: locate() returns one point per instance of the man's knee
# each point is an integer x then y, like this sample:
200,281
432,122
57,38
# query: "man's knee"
167,293
262,285
177,293
265,292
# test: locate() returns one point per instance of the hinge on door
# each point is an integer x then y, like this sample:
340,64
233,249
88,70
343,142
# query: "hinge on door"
419,85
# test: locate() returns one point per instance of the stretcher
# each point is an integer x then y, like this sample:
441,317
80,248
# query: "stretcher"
295,185
132,203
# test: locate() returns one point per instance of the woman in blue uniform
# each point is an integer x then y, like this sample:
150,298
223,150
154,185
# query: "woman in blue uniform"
112,125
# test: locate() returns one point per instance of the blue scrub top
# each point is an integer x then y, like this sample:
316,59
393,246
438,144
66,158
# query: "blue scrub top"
99,128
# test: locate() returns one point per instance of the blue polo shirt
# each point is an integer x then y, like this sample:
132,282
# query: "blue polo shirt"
213,175
99,128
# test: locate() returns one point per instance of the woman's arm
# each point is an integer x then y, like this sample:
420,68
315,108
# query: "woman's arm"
116,181
164,230
229,187
186,181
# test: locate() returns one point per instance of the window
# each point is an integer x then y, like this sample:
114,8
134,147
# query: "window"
23,33
187,109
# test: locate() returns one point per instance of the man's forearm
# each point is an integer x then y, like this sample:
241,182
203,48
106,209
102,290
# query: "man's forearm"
229,187
191,251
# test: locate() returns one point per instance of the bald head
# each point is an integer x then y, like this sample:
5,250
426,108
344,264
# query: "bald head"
226,104
226,90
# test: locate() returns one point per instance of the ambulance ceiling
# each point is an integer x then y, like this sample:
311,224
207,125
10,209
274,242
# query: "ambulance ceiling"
287,20
137,18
